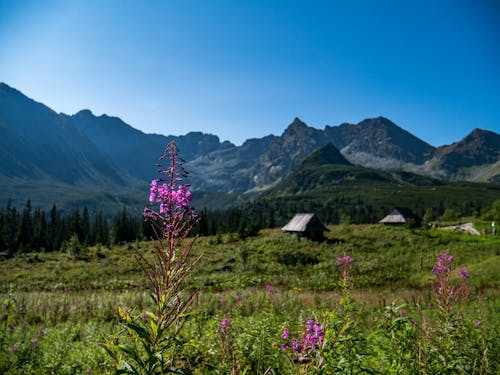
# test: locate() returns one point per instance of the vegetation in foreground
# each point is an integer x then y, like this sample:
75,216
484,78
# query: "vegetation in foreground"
58,310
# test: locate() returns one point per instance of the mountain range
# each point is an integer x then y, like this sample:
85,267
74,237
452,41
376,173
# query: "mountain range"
83,159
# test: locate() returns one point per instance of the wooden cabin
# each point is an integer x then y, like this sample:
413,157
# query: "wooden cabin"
401,216
306,225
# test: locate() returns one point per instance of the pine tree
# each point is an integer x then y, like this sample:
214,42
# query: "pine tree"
10,228
39,231
203,223
100,231
75,226
25,235
85,227
3,222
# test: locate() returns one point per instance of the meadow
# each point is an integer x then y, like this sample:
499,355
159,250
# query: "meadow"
258,297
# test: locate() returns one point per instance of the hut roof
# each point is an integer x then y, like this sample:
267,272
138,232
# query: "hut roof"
399,216
305,223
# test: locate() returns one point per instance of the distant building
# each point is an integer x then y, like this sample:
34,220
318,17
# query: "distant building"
306,225
401,216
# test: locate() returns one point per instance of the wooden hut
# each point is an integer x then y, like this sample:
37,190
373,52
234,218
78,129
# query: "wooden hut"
306,225
401,216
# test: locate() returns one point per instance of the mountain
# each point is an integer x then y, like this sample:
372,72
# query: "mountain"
136,152
38,144
378,143
101,162
326,155
326,167
476,158
338,191
50,157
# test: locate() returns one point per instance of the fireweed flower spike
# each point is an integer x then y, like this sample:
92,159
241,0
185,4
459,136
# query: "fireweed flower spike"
225,325
345,265
312,338
346,259
447,292
171,217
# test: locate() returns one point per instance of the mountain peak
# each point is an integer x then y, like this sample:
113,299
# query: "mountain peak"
327,154
481,133
479,147
300,129
297,123
84,113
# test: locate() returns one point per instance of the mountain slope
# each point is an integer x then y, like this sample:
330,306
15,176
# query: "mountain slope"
134,151
36,143
478,149
325,155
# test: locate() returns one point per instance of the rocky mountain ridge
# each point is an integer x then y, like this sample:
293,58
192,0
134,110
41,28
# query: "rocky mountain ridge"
98,153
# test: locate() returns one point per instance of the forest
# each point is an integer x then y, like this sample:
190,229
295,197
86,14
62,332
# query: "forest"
29,229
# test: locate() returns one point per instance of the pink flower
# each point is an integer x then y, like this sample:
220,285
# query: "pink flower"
443,265
344,260
152,193
285,334
463,272
225,325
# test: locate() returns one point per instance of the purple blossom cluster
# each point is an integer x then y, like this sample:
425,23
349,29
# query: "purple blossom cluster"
225,326
312,339
172,197
443,265
346,260
463,272
448,292
345,266
169,198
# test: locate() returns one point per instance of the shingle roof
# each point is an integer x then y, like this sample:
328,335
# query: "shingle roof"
303,223
399,216
395,217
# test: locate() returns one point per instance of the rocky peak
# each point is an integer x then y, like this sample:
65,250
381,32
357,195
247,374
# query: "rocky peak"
478,147
325,155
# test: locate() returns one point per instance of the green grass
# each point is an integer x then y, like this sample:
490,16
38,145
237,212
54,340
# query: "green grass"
70,305
385,257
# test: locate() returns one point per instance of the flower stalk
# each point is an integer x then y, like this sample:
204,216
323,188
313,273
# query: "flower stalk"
155,334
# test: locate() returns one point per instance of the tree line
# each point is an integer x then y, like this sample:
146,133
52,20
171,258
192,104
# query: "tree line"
30,229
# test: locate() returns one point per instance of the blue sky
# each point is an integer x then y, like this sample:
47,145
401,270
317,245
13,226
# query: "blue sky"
246,69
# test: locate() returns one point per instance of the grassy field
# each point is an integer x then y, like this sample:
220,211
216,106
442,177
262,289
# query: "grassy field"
57,311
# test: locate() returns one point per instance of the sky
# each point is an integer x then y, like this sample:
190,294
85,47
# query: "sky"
246,69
